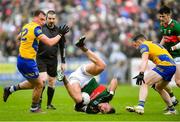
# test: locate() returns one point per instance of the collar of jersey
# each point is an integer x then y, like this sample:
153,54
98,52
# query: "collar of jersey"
170,22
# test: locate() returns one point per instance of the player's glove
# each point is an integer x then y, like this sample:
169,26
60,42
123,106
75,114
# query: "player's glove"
60,76
63,29
139,78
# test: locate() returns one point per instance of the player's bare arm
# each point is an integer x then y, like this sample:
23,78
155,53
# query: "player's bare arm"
162,41
177,46
18,36
113,85
144,62
49,41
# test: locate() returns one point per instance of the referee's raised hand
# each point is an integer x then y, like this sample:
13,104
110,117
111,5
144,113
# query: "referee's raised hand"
63,29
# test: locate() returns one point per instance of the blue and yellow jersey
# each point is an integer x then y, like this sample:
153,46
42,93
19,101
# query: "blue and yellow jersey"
157,54
29,41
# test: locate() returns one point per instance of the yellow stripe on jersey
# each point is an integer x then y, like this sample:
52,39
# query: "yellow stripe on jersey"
29,42
157,54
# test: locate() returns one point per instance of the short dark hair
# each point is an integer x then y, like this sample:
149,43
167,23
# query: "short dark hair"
51,12
37,12
164,10
112,111
138,36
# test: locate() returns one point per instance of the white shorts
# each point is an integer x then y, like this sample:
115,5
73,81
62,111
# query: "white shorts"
177,60
80,76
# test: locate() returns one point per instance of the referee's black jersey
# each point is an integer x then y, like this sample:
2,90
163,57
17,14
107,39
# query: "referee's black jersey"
50,52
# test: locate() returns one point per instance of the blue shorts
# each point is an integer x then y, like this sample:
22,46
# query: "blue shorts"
27,67
166,72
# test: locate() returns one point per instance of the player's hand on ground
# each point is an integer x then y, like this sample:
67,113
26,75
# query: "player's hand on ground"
63,29
139,78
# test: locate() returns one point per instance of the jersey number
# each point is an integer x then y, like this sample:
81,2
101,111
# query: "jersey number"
23,34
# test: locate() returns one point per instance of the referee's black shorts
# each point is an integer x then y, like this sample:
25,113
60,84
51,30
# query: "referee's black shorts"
47,65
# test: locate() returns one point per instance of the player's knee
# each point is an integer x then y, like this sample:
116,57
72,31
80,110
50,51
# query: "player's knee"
40,84
43,80
77,99
158,88
178,84
43,77
102,66
177,80
51,81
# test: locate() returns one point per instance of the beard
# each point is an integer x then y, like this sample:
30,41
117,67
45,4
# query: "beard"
161,22
50,25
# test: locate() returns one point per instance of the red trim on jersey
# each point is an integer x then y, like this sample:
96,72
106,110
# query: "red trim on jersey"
165,25
97,91
171,25
170,39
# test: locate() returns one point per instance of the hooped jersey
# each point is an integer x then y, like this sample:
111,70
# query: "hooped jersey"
157,54
98,94
29,41
170,33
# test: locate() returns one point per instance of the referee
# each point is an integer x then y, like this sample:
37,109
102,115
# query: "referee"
47,57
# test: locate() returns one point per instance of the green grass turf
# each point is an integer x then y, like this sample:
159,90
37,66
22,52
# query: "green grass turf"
18,104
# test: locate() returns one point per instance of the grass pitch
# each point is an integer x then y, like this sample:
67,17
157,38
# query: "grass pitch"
18,104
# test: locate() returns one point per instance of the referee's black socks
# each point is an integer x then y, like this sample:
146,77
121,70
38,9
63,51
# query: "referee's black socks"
50,94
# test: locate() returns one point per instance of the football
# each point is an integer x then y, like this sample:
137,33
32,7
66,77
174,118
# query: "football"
86,98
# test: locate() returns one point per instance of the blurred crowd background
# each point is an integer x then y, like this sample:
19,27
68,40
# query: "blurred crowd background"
108,25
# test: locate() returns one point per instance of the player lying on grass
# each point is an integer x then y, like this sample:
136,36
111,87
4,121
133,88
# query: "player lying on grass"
161,74
82,80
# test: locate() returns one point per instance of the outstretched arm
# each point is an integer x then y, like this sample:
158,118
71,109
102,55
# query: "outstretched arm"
113,85
162,41
177,46
144,63
49,41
